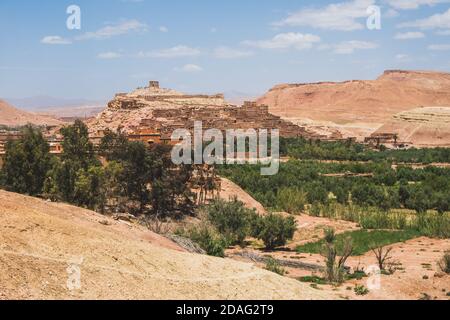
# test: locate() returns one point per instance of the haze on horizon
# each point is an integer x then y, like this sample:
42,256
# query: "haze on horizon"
236,47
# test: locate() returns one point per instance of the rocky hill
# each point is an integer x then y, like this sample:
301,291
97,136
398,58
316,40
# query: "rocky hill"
127,110
361,104
57,251
10,116
165,110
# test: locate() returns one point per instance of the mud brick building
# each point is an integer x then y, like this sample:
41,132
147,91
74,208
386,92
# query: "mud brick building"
152,114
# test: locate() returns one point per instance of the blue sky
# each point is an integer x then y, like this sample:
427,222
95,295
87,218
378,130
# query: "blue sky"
212,46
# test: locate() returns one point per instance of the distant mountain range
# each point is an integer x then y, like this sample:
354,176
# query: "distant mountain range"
38,103
10,116
238,97
59,107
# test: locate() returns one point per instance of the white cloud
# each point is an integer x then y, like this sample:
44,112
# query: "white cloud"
439,47
349,47
190,68
437,21
444,32
342,16
55,40
391,13
163,29
230,53
413,4
110,31
109,55
174,52
409,35
402,57
289,40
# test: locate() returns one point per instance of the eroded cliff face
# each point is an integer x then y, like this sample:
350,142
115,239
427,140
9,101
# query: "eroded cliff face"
421,127
372,101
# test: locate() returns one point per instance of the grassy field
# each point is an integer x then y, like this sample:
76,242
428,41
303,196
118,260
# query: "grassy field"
362,240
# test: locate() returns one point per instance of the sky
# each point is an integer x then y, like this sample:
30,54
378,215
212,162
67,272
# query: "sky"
241,47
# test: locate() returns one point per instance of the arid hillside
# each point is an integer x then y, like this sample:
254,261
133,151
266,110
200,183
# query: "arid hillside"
45,246
422,127
11,116
359,104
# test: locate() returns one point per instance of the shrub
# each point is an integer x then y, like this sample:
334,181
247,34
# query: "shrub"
382,255
335,268
292,200
361,290
432,225
231,219
274,229
313,279
273,265
444,264
208,239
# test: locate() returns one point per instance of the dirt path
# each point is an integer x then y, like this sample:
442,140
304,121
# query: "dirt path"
45,248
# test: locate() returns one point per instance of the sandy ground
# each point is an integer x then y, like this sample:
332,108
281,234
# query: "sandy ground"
417,274
416,260
56,251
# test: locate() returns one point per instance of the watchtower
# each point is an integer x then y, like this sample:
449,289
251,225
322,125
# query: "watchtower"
153,84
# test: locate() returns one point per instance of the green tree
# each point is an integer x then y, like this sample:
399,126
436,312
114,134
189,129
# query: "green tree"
442,202
419,201
76,145
231,218
114,146
274,229
90,188
26,163
77,157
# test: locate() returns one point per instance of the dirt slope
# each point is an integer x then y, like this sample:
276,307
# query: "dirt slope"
11,116
366,103
230,190
42,244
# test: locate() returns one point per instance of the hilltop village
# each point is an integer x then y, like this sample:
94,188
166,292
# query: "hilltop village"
152,114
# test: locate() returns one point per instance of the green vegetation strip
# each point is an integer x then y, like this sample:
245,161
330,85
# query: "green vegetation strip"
363,240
